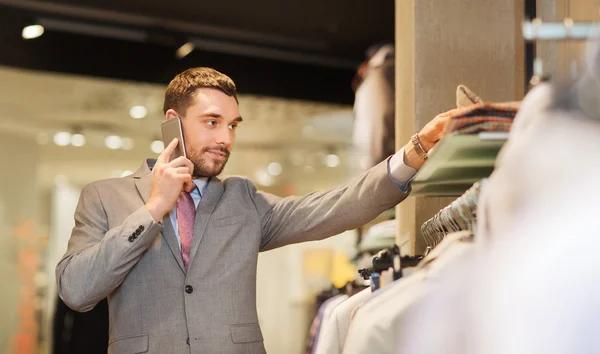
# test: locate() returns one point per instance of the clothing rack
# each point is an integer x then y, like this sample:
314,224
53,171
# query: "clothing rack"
535,30
457,216
386,259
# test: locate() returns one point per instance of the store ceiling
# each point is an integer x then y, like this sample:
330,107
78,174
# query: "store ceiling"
295,49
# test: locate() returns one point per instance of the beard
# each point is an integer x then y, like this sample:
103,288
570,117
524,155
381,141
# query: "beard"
205,166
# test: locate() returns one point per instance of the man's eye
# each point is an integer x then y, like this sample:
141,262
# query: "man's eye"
211,123
232,126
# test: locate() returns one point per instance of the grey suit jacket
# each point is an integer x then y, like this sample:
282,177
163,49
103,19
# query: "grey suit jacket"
117,251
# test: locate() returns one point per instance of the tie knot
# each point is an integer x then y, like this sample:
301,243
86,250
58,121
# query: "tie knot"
194,188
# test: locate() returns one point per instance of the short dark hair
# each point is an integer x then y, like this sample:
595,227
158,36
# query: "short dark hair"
182,89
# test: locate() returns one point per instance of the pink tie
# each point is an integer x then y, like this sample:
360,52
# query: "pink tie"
186,214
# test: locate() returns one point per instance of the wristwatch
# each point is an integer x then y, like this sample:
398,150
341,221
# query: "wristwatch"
418,147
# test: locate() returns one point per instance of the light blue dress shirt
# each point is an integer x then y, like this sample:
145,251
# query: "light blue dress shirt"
196,194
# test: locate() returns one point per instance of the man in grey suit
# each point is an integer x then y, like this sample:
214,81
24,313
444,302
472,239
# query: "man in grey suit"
174,249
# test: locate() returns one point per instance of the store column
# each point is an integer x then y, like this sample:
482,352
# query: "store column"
439,45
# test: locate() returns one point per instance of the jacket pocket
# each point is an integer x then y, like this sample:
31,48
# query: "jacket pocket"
246,333
130,344
230,220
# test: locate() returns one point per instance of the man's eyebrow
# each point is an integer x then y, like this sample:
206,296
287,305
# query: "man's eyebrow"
217,115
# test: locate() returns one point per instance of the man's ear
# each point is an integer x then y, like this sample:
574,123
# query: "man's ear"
170,114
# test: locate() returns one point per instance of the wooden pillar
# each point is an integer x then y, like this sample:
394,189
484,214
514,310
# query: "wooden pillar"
439,45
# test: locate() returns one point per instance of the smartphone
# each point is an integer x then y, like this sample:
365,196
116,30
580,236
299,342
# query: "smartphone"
171,129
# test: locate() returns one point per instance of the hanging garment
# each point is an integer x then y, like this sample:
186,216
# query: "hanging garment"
335,329
547,249
322,315
502,193
373,133
373,328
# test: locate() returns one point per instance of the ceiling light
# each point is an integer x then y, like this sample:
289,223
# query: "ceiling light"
138,112
62,138
127,144
332,160
184,50
264,178
32,31
77,140
113,142
274,169
157,146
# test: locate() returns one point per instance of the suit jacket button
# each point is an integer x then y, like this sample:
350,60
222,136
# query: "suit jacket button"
141,228
137,232
131,238
189,289
187,341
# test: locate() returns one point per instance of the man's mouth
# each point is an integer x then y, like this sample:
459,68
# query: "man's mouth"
217,155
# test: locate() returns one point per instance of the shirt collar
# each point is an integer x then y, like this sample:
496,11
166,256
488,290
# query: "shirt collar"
201,183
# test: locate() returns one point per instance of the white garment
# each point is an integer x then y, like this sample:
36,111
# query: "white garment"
501,195
333,332
374,326
326,315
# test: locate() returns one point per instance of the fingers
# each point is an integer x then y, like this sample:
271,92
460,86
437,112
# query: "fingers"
189,186
182,162
450,112
164,156
184,170
179,173
190,165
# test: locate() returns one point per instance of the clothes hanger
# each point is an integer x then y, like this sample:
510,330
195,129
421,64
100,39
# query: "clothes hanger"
459,215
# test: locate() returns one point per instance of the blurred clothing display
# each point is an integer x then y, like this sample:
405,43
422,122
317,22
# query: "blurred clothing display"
371,327
523,281
374,110
80,332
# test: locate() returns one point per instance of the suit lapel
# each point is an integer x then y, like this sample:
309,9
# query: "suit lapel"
169,236
143,183
143,180
207,205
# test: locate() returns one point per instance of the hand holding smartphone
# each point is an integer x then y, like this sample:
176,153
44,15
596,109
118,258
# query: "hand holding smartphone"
171,129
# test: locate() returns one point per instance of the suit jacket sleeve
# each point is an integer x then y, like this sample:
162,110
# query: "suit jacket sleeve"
98,259
320,215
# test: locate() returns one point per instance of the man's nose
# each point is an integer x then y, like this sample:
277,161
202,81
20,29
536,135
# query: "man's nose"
224,137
